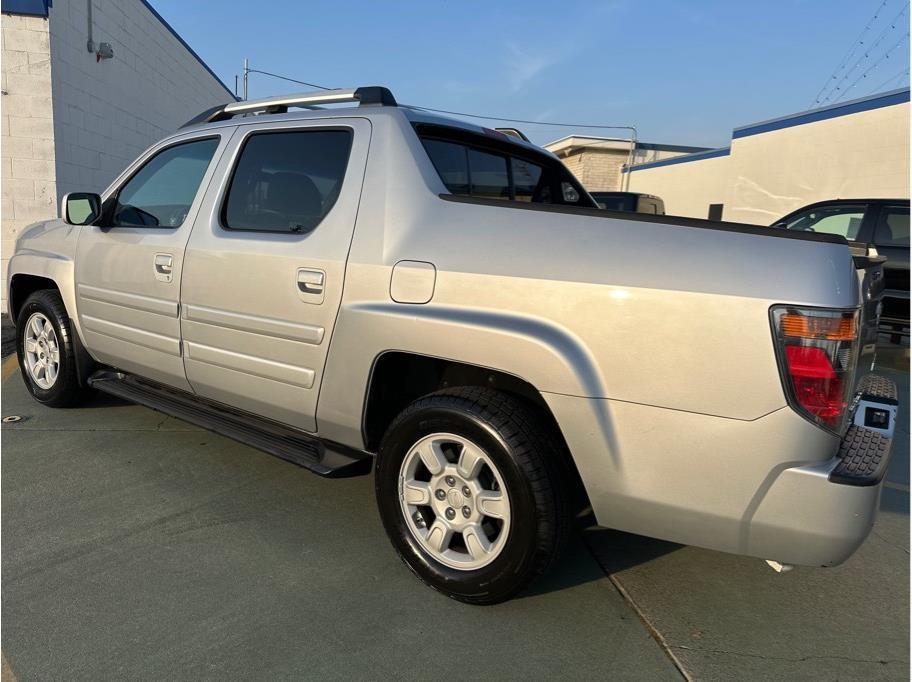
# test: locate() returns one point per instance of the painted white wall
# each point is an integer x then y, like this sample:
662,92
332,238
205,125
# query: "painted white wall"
768,175
686,188
27,170
858,155
107,112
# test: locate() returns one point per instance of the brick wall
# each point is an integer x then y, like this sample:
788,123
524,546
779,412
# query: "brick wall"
107,112
71,122
598,170
27,145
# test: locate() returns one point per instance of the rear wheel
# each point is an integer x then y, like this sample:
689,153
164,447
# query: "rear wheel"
471,494
44,345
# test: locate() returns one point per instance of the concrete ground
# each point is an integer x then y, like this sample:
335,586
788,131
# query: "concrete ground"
138,546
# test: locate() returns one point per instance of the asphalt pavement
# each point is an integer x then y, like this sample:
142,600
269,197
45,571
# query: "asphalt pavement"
137,546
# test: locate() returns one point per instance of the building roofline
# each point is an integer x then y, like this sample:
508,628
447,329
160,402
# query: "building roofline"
876,101
39,8
658,146
699,156
189,49
855,106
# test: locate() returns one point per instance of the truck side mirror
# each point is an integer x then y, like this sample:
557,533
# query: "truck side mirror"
81,208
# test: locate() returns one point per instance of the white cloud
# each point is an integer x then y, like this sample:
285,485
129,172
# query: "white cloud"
523,65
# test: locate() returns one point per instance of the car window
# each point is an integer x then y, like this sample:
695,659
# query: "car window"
488,175
161,192
452,163
287,181
526,179
892,227
844,220
481,168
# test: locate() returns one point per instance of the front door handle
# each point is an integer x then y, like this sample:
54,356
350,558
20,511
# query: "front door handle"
310,284
164,264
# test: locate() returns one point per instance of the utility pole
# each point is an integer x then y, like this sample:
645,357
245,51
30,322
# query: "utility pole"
246,72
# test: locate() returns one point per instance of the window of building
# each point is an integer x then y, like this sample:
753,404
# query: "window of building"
161,192
287,181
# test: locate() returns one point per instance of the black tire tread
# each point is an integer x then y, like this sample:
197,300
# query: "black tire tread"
538,452
70,392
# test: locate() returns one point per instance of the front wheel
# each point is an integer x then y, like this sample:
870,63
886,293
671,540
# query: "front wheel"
469,486
44,345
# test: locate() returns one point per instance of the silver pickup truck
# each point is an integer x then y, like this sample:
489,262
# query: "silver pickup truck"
373,287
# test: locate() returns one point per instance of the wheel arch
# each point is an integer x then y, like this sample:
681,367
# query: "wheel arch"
397,378
22,285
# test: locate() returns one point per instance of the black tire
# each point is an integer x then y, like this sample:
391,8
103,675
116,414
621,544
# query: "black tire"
530,460
66,390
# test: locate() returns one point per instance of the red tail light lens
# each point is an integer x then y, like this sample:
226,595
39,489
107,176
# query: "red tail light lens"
817,353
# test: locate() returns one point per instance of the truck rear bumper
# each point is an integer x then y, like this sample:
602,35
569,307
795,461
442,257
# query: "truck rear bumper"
775,488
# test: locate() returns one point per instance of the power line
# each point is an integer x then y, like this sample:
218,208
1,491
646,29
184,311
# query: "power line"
885,55
459,113
520,120
891,25
286,78
850,53
879,88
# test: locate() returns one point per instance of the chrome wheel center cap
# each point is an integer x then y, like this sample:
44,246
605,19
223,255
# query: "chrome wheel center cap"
454,498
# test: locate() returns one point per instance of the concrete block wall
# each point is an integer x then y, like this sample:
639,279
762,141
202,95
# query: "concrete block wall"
27,175
107,112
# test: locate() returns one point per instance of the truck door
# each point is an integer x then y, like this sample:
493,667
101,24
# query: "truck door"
128,265
265,264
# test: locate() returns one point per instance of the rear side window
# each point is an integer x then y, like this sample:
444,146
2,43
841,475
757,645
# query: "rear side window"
287,181
892,227
479,168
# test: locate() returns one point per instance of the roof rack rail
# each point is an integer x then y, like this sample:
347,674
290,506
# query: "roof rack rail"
513,132
373,95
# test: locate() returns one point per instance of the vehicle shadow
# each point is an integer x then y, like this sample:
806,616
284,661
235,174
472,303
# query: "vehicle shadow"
613,551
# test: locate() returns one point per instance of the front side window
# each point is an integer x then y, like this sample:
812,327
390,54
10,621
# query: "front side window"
161,192
287,181
893,227
482,168
844,220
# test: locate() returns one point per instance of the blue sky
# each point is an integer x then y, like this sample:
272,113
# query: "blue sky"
682,72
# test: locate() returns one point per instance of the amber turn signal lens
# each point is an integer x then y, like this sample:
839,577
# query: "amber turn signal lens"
829,328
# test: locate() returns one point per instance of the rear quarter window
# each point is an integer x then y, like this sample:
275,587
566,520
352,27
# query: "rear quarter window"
473,165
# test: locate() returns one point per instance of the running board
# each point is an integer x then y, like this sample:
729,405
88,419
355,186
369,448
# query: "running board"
321,457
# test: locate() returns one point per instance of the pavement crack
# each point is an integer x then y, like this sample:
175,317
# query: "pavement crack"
786,658
889,542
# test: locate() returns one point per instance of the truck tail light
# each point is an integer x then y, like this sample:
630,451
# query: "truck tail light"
817,352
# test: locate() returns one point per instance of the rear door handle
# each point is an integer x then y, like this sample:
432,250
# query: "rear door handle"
164,263
310,284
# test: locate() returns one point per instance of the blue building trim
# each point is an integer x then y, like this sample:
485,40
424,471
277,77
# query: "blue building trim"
30,8
884,99
855,106
186,46
687,158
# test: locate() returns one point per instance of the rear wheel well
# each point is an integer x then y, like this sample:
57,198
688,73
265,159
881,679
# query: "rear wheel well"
23,286
399,378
